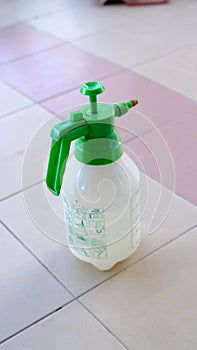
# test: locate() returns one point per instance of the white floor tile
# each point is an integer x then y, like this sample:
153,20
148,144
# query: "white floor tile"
45,228
70,328
147,33
76,275
24,137
177,71
152,305
72,23
20,10
11,100
28,292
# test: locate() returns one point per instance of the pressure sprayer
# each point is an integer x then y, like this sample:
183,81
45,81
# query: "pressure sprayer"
100,184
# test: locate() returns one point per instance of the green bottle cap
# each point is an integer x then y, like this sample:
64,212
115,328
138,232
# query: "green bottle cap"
92,126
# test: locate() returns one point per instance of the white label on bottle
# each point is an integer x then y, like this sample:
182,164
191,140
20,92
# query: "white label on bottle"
86,230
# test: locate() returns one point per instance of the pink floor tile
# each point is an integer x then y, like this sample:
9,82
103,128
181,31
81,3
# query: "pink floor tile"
156,102
180,137
55,71
159,104
60,104
21,39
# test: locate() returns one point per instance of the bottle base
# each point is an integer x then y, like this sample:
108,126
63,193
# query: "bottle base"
104,264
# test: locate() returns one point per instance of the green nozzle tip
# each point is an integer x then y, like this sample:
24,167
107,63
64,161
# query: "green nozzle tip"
134,102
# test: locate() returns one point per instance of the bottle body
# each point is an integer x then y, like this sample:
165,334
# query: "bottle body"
102,209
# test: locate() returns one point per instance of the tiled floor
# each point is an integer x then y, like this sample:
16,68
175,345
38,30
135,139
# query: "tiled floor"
48,298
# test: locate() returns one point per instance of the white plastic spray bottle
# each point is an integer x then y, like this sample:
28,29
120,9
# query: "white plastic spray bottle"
100,184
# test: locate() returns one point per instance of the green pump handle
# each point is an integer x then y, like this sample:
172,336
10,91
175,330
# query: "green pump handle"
81,123
62,135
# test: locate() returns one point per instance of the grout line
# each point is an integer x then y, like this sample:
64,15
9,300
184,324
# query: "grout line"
163,246
32,103
167,188
39,15
80,37
11,24
161,85
30,325
33,53
148,132
28,19
21,190
156,58
76,298
19,92
137,65
155,126
124,269
119,71
179,116
146,174
37,259
39,102
103,324
58,309
18,110
137,261
150,60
